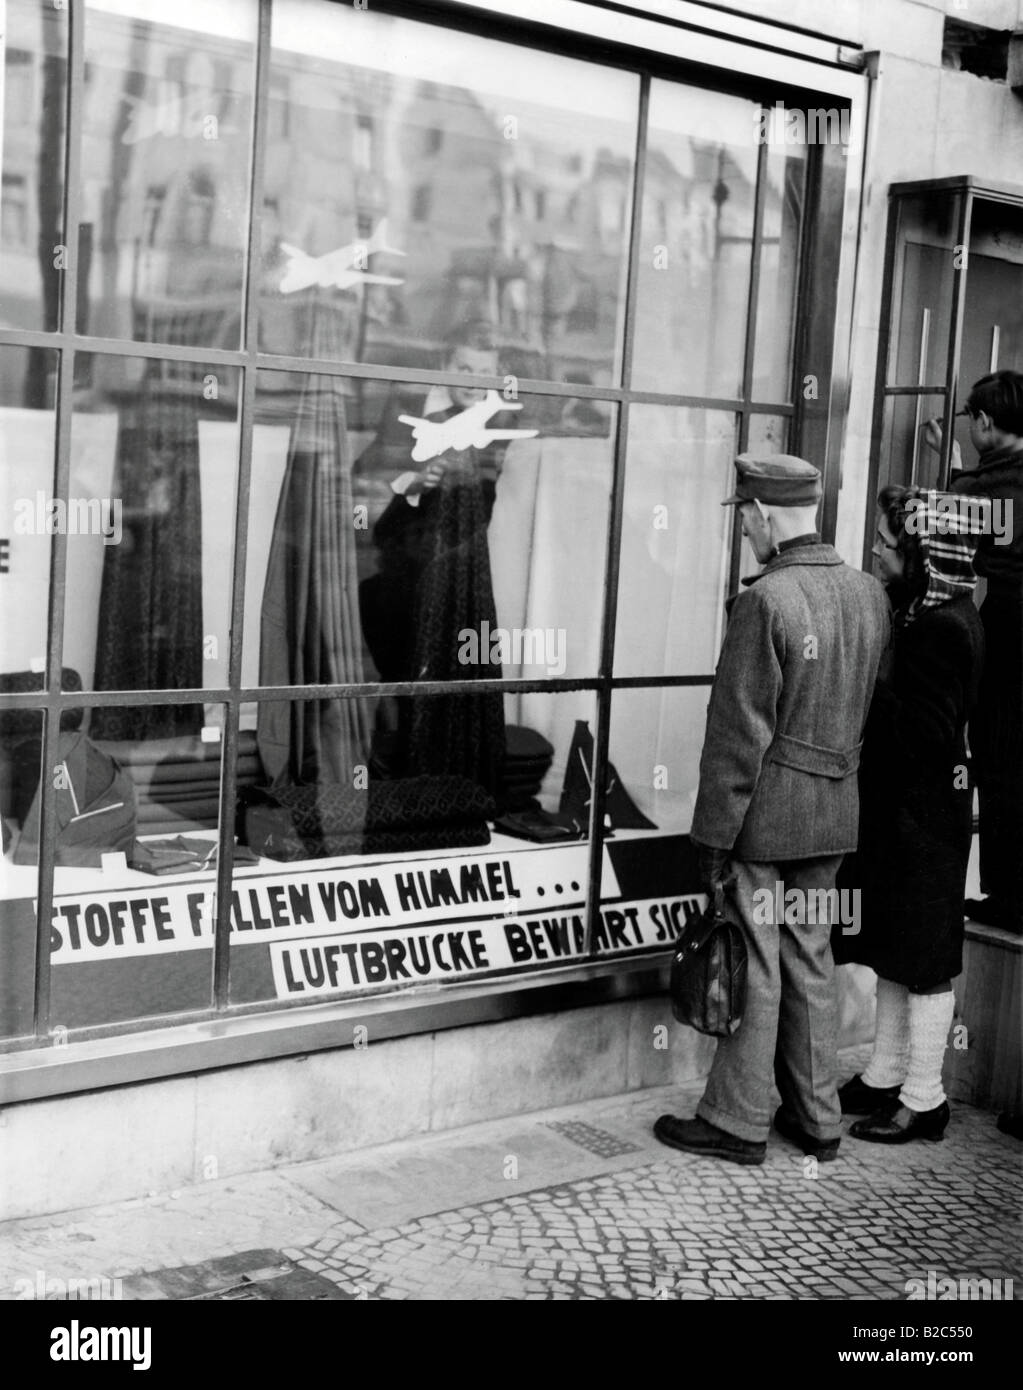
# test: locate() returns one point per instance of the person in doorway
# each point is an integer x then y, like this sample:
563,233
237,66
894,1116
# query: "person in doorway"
777,809
995,411
915,815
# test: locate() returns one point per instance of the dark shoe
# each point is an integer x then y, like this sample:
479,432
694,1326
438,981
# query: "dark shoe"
1011,1124
698,1137
857,1098
989,911
898,1125
822,1149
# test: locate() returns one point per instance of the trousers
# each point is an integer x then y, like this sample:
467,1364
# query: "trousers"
789,1031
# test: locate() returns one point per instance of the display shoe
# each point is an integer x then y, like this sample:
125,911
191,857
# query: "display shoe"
824,1150
857,1098
897,1124
696,1136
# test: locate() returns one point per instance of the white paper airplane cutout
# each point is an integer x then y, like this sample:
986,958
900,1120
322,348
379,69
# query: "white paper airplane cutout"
466,430
339,269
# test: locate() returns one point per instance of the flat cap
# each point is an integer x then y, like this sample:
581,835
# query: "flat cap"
777,480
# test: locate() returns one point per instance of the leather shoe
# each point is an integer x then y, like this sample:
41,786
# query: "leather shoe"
824,1150
857,1098
696,1136
992,912
897,1124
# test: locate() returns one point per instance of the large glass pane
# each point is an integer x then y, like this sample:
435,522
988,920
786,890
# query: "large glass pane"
21,745
674,557
922,297
33,44
906,457
784,197
416,178
696,242
154,465
993,324
132,909
768,434
165,169
402,533
27,518
655,742
378,881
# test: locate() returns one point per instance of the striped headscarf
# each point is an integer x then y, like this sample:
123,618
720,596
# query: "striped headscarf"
949,526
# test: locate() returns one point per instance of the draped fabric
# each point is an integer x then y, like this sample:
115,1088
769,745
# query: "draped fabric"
309,632
460,734
150,631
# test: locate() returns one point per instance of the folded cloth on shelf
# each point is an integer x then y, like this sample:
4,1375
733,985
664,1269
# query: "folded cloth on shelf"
151,752
203,810
268,839
170,774
521,742
180,854
411,813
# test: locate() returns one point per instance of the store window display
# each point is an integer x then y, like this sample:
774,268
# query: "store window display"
439,226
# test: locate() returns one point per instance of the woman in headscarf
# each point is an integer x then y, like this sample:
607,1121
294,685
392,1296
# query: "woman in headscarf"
915,812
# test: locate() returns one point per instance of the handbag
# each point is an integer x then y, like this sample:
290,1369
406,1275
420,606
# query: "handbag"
708,973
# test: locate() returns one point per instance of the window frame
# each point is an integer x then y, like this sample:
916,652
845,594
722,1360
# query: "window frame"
823,319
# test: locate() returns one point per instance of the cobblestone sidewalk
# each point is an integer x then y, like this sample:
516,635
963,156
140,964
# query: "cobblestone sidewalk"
578,1203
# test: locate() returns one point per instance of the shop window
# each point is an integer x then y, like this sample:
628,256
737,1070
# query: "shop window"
442,554
34,41
426,666
674,553
953,311
154,461
132,906
171,108
386,883
403,85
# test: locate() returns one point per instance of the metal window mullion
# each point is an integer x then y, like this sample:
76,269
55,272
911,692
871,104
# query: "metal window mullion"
813,175
250,332
955,334
58,542
749,347
612,561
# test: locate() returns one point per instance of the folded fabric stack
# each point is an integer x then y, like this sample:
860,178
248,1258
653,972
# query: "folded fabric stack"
177,780
327,819
527,760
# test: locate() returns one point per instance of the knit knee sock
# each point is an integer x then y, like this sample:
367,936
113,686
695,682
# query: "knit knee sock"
887,1066
930,1018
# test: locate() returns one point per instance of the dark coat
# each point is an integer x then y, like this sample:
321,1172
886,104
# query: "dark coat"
787,710
916,812
999,559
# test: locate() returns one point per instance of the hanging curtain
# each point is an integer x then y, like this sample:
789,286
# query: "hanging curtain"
309,632
150,631
460,734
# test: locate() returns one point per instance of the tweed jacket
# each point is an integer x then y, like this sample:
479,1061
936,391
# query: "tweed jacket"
788,707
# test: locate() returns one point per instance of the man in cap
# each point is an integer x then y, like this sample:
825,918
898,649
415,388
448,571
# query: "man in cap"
777,809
